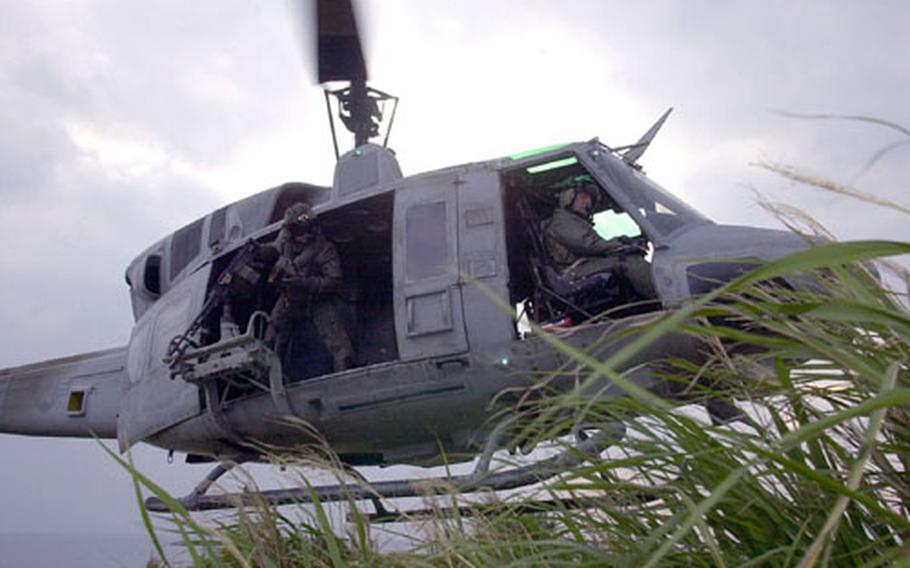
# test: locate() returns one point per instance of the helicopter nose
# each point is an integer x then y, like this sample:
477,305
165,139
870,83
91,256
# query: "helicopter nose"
712,255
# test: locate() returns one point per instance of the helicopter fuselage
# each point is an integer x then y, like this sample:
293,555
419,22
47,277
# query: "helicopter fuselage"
430,261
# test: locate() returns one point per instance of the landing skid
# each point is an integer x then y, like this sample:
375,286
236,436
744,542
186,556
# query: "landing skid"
533,506
481,479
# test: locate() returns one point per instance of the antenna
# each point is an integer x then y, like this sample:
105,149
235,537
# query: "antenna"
633,152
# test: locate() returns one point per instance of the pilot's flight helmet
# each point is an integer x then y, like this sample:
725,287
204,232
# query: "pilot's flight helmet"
568,195
299,218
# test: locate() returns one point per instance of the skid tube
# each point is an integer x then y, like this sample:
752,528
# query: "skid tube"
479,480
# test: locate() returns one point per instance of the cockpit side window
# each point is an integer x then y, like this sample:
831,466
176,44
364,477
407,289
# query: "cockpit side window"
152,274
218,227
185,246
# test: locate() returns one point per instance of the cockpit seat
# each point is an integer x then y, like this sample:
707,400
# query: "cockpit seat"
581,298
563,286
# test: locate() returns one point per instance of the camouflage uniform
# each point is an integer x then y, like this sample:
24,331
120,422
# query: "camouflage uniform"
310,280
579,251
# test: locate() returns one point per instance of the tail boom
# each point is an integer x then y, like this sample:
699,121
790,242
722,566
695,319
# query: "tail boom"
76,396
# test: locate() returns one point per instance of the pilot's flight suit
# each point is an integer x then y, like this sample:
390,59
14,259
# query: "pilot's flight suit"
310,285
579,251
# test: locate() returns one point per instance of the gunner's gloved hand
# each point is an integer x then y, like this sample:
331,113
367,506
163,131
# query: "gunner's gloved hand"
279,271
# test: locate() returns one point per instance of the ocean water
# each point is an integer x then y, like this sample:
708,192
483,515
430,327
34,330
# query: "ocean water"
135,551
82,551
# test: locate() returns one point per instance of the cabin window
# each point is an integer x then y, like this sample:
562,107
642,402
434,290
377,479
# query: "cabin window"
185,246
152,277
427,245
217,226
75,402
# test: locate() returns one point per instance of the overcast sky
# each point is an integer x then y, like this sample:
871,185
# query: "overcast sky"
121,121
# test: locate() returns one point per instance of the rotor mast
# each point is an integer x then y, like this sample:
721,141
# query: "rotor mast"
340,58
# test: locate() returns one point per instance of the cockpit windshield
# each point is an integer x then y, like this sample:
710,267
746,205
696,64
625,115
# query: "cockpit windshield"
642,198
665,212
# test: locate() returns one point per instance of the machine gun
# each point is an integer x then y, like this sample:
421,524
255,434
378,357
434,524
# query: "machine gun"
250,253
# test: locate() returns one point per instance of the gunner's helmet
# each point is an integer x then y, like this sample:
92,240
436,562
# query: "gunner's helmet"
299,218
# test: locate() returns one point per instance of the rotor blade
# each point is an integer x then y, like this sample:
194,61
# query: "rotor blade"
340,56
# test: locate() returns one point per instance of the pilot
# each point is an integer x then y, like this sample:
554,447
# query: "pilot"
308,275
579,251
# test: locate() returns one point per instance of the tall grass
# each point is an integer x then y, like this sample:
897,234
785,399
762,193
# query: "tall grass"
815,473
801,461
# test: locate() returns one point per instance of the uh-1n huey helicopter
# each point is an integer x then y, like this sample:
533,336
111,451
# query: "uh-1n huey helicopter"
421,257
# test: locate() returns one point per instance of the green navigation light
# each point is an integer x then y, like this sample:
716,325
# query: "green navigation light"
528,153
553,165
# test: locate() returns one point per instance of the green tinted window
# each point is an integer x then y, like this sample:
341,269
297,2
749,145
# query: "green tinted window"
555,164
610,224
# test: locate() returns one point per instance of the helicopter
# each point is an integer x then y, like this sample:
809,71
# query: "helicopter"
432,349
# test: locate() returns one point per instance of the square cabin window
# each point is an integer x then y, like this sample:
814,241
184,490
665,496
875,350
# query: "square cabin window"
185,245
426,240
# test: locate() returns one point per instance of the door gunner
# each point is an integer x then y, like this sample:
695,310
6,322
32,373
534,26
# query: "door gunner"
308,274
